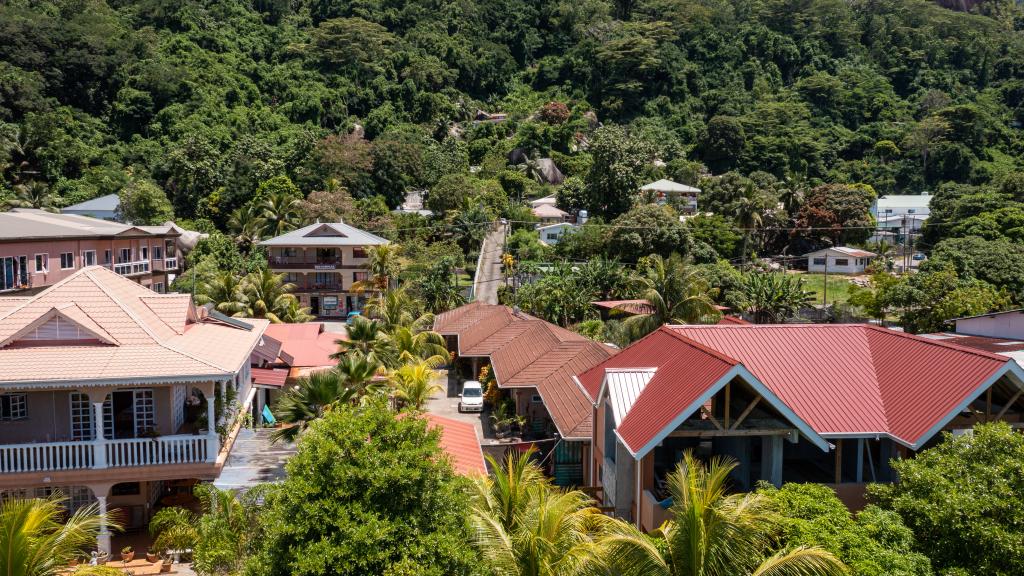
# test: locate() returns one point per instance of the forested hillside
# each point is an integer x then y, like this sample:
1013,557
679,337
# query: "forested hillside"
210,98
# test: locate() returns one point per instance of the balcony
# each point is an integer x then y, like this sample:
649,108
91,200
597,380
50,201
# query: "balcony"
165,264
311,287
132,268
82,455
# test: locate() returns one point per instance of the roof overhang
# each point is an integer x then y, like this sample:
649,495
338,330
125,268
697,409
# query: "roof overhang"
736,371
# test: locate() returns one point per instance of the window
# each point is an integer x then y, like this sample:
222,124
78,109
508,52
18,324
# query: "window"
144,253
81,417
145,414
536,399
288,252
912,211
88,258
819,261
67,260
13,407
888,210
360,276
325,279
552,236
106,256
41,261
158,287
359,252
169,248
126,256
158,253
291,277
842,261
8,277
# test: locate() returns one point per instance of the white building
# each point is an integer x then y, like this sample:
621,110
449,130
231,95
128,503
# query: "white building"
549,200
552,233
550,214
900,214
667,191
839,260
1008,324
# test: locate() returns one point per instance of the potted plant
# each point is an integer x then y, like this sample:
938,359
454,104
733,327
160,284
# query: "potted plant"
151,555
127,554
165,565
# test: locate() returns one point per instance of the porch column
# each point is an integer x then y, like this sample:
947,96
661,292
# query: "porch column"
100,491
99,437
223,401
212,442
771,460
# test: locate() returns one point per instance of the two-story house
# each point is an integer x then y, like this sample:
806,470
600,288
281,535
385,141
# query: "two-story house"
109,390
39,249
323,261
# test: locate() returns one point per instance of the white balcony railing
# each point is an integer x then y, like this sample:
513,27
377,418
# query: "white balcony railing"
130,268
171,263
55,456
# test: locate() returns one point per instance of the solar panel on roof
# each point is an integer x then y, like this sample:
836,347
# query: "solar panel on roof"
229,320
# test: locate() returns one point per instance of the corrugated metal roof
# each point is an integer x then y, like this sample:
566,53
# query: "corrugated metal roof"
107,203
855,252
269,377
32,224
624,387
460,441
664,185
326,234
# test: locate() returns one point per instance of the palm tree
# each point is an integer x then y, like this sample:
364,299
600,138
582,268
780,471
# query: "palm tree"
174,528
32,194
409,347
525,527
676,293
396,308
280,213
267,295
367,338
225,291
295,313
413,385
247,224
315,393
36,541
384,264
713,533
749,215
771,297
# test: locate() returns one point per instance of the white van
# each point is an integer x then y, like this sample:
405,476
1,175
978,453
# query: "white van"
472,397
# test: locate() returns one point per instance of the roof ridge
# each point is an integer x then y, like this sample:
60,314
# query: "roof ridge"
707,349
33,298
934,342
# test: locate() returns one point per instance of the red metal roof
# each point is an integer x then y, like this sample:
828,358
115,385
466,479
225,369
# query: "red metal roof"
306,345
526,352
840,379
270,377
637,306
460,441
986,343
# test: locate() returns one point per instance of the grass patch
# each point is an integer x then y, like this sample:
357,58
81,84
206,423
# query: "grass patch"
838,287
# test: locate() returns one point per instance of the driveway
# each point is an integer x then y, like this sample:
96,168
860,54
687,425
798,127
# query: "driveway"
489,275
446,402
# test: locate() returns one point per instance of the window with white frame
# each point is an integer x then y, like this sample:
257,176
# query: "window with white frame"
144,253
88,258
81,417
158,287
842,261
126,256
67,260
106,256
79,497
819,261
158,253
552,235
41,260
145,414
13,407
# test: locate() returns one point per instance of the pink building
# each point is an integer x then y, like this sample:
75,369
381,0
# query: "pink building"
39,249
108,389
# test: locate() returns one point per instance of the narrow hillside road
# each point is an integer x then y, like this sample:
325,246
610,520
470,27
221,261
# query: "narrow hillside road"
489,276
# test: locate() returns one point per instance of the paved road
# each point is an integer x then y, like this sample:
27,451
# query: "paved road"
489,276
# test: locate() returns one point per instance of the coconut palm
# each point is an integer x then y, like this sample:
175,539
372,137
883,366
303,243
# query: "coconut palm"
294,312
267,295
367,338
174,528
749,216
406,346
676,293
247,223
413,385
525,527
771,297
225,291
280,213
33,194
384,264
396,308
712,533
315,393
36,541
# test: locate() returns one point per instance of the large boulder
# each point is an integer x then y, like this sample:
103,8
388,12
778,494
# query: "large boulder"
549,172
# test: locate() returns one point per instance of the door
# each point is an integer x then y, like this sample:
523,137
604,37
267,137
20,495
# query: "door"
314,305
124,414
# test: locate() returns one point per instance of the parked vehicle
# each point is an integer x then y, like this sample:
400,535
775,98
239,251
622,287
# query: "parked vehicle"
472,397
350,319
918,256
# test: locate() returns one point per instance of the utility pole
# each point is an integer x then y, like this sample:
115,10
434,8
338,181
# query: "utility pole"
824,292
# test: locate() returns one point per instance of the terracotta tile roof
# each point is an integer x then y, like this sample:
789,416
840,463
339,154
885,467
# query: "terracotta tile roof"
8,303
131,334
306,345
526,352
841,380
460,441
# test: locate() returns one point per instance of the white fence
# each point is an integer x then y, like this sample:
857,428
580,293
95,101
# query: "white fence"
55,456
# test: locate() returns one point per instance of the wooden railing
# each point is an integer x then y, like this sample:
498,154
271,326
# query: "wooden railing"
156,451
56,456
48,456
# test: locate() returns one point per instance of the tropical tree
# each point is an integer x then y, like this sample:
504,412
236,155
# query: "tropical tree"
224,290
33,194
35,540
294,313
771,297
226,528
174,528
267,295
413,384
676,292
749,215
408,346
247,224
383,265
396,308
316,393
525,527
367,338
712,533
280,213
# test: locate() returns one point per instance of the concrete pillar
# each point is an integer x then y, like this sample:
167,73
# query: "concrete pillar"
860,460
625,482
771,459
223,401
100,491
99,435
212,441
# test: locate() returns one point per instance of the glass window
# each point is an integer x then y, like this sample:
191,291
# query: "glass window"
89,258
13,407
359,252
106,256
41,260
145,252
145,414
67,260
81,417
842,262
911,211
158,287
288,252
819,261
126,256
552,235
158,253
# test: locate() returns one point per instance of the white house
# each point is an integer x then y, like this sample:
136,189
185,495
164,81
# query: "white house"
1008,324
900,214
550,214
839,260
667,190
552,233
